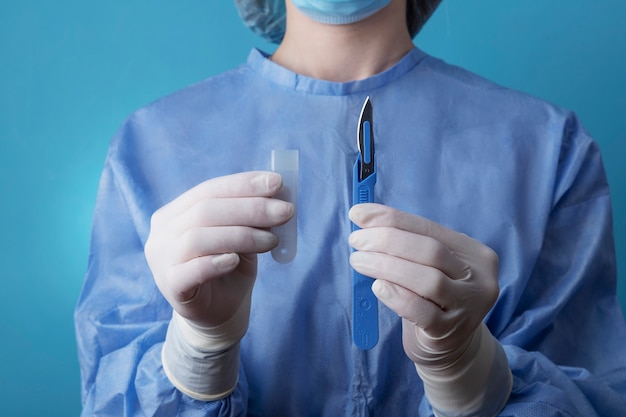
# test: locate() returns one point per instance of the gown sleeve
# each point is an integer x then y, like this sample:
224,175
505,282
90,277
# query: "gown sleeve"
562,328
565,338
121,318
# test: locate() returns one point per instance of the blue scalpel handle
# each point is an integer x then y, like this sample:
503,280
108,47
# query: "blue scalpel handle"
364,302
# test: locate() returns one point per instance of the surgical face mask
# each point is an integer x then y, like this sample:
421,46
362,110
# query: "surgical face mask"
267,17
339,12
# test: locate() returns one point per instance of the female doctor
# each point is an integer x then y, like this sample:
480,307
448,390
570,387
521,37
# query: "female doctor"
490,249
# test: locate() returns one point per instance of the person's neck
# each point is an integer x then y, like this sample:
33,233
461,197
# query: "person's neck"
344,52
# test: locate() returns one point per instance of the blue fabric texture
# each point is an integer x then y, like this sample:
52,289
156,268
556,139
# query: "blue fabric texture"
514,172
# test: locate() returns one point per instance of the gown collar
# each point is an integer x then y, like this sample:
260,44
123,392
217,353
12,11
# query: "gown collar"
259,62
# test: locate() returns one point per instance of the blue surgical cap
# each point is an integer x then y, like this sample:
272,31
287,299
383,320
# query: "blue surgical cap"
264,17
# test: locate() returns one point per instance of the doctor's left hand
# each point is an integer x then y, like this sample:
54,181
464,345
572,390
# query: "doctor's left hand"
440,282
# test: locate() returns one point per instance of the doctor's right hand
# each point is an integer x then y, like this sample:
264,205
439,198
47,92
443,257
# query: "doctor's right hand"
203,246
202,250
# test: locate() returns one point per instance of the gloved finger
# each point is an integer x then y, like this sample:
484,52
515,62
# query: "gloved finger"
254,211
377,215
427,282
184,279
202,241
420,311
412,247
244,184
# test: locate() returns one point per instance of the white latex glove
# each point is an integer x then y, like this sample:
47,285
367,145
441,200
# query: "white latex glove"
442,283
202,250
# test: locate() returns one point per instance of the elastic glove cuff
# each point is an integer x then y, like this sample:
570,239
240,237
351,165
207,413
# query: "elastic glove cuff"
477,384
203,362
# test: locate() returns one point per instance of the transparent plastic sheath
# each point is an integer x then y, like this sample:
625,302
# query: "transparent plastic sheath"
285,163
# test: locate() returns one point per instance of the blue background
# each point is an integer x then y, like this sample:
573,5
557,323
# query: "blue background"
71,71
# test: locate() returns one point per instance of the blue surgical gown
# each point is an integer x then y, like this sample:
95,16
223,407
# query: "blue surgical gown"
516,173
